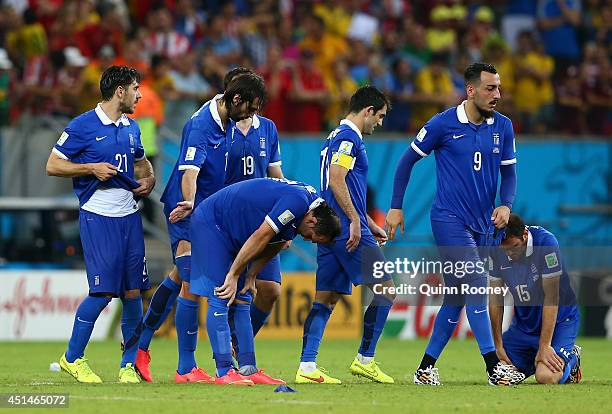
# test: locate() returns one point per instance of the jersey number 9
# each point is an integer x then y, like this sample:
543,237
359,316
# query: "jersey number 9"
477,161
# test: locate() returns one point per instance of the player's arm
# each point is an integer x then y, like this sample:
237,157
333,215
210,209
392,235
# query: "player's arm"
251,249
546,353
275,171
143,171
337,183
378,232
507,188
496,313
188,189
59,166
274,167
268,253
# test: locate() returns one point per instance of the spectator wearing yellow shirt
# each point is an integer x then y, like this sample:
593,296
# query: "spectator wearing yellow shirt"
441,37
336,15
326,46
533,91
340,87
434,90
91,75
28,39
496,53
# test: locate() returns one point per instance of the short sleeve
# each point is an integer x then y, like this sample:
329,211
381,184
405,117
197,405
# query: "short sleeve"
139,154
428,138
70,144
344,149
287,211
509,149
550,254
194,153
275,153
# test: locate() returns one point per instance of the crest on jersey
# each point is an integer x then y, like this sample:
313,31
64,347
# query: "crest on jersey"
551,260
131,139
495,150
286,217
62,138
262,153
421,135
345,147
262,142
495,138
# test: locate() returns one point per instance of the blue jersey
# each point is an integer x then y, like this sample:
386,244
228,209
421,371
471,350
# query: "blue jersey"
250,156
468,158
203,149
345,147
93,137
524,278
239,209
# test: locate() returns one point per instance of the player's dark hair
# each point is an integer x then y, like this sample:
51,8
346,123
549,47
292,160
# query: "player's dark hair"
230,75
472,72
249,86
114,77
328,222
515,227
368,96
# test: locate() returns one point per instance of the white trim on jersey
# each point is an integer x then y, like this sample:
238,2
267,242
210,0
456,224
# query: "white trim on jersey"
463,118
275,164
352,126
188,167
549,275
418,150
272,224
529,250
107,121
214,111
508,162
315,204
60,154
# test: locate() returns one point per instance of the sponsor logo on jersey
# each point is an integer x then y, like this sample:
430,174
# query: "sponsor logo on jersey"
62,138
286,217
190,155
421,135
345,147
551,260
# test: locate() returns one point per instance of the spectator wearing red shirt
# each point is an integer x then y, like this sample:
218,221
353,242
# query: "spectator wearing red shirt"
108,31
278,83
163,39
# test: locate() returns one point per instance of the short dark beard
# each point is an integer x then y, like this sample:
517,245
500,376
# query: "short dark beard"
484,113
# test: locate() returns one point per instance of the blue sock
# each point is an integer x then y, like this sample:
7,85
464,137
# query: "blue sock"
314,326
131,317
258,318
244,334
478,315
186,321
373,323
569,365
218,329
161,304
84,320
444,326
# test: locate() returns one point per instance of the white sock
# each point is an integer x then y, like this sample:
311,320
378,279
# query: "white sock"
307,367
364,359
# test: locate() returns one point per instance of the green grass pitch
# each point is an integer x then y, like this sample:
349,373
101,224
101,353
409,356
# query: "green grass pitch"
24,368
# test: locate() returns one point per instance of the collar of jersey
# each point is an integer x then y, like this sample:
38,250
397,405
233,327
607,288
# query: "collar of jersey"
107,121
463,118
529,250
352,126
215,112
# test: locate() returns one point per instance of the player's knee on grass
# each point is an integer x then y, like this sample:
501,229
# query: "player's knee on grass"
544,375
185,293
327,298
268,293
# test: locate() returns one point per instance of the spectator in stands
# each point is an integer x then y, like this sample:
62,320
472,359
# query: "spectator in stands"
189,21
278,78
70,85
478,32
91,75
226,47
258,33
341,87
571,117
441,37
533,92
496,52
435,88
63,32
132,56
160,80
109,30
401,96
336,15
327,47
558,21
289,46
308,95
595,71
416,49
162,38
461,61
359,60
41,78
6,67
86,14
28,39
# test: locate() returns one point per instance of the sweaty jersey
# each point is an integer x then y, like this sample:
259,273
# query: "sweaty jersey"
524,278
93,137
250,156
468,158
203,149
345,147
239,209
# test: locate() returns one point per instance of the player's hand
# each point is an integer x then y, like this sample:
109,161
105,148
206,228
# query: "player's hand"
354,236
547,355
394,219
249,285
287,245
103,170
503,357
500,217
146,186
379,234
228,289
182,210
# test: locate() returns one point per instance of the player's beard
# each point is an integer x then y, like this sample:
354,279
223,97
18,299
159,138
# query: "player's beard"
485,113
125,108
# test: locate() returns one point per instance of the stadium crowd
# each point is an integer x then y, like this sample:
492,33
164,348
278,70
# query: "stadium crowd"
553,57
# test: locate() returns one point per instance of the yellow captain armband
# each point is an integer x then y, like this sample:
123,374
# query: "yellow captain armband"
343,160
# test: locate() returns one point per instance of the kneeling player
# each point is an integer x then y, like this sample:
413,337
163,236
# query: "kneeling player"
248,222
541,339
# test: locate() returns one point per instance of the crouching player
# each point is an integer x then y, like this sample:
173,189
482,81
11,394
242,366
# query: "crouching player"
248,223
541,338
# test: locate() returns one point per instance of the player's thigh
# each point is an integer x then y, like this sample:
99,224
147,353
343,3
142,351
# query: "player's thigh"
359,264
521,348
271,272
564,338
103,250
136,275
330,274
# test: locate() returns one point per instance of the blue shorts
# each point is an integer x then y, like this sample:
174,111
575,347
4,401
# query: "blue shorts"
177,231
522,347
271,271
211,258
114,252
338,270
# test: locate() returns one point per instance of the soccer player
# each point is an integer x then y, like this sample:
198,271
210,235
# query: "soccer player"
473,143
198,173
248,223
344,167
542,336
102,152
